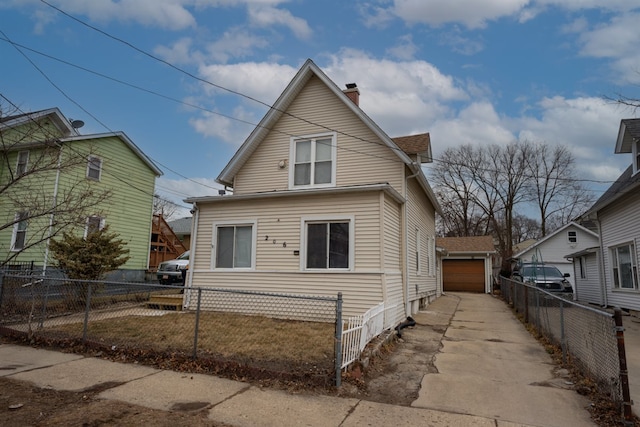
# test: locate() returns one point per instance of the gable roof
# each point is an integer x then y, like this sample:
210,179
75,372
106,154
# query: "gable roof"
54,114
181,226
558,231
415,144
629,133
470,244
304,74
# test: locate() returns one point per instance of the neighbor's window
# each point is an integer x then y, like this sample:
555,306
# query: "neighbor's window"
583,267
314,161
418,244
636,153
572,236
623,263
234,245
19,238
23,163
94,223
94,167
328,244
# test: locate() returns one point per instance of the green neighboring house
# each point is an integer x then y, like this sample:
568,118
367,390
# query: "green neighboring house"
53,179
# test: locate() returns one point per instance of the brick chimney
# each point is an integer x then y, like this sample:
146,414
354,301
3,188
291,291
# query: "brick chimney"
353,93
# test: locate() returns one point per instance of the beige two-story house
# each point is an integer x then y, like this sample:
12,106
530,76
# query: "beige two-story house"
324,201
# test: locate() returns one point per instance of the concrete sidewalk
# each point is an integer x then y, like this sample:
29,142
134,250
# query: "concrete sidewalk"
491,373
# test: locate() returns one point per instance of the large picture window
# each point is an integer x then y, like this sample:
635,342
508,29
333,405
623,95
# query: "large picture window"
19,238
329,244
234,246
623,263
314,161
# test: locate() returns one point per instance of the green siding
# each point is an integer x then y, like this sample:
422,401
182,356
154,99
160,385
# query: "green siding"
128,210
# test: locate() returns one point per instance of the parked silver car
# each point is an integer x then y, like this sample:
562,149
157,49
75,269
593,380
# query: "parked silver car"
172,270
545,277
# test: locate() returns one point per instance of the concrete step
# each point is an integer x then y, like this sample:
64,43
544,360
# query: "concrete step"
166,302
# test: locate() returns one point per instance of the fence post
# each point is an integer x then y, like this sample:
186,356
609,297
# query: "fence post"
526,303
86,314
563,336
195,335
624,375
338,338
1,286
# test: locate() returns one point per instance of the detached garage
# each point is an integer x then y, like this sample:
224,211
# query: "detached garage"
466,263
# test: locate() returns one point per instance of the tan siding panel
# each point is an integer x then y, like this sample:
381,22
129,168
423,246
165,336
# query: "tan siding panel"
359,150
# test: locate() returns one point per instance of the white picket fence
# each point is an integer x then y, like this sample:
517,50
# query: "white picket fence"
361,329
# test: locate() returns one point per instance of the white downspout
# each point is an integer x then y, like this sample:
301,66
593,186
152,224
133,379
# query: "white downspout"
603,275
192,251
51,217
407,309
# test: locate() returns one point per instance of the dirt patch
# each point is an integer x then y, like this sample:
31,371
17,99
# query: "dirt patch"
22,404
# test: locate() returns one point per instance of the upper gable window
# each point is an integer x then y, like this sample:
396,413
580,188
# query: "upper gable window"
23,163
572,236
94,167
314,162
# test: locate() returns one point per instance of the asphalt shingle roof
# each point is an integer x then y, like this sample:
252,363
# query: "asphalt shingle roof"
466,244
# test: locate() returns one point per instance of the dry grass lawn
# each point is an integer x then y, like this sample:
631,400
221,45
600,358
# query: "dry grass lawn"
229,335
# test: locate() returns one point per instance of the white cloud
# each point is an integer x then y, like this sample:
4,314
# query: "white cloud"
267,16
231,131
405,49
471,13
617,40
262,81
176,190
235,43
180,52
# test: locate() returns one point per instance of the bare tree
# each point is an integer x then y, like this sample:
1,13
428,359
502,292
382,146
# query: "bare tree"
558,196
164,207
42,185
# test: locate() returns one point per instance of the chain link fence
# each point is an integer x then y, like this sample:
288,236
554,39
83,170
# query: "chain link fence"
234,333
591,338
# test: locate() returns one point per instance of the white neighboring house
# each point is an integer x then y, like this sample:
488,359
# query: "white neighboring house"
613,279
553,248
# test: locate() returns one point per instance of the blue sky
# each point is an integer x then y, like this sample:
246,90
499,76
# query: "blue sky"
467,71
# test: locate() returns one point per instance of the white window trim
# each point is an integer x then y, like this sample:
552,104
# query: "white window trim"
327,218
86,224
634,262
292,157
432,256
575,235
15,232
26,163
89,159
254,242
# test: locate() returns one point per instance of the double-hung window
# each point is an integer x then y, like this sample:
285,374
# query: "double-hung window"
572,237
94,168
234,245
314,162
328,244
94,223
623,264
19,238
23,163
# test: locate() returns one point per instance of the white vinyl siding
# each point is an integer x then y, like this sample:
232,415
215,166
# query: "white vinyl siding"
588,289
278,247
420,216
618,229
359,151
